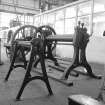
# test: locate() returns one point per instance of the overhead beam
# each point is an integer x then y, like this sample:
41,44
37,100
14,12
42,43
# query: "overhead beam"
13,7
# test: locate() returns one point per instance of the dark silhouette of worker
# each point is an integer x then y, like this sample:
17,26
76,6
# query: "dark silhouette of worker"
104,33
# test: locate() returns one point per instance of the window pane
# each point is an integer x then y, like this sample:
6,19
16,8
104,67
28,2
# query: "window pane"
59,27
44,19
51,18
99,24
70,12
37,21
60,14
84,8
69,26
31,19
22,18
86,20
99,5
41,19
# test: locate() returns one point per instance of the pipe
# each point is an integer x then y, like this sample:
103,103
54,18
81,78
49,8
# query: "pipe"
61,38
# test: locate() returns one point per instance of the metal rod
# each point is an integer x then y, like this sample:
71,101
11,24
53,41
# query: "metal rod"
62,38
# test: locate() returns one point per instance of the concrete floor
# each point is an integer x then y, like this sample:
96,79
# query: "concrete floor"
36,93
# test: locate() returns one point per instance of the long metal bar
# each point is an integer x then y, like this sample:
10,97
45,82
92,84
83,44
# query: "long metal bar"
64,43
62,38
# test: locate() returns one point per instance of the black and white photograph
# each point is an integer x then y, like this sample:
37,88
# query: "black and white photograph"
52,52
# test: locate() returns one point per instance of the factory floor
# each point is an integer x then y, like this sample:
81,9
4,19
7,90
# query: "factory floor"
36,93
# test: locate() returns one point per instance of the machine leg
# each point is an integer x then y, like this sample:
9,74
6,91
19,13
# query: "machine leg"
12,64
50,56
21,89
45,74
36,62
73,65
85,64
27,75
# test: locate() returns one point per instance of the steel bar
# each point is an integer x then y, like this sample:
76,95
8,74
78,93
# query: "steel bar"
62,38
64,43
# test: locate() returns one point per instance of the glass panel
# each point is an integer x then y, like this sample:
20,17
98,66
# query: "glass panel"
22,18
70,12
31,19
44,19
25,18
37,21
99,5
41,19
59,27
51,19
84,8
60,14
86,20
99,24
69,26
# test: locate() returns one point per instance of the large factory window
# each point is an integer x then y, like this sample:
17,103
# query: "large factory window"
51,19
41,19
70,12
84,9
59,27
37,21
69,26
86,20
84,14
59,22
31,20
99,6
99,24
5,19
44,19
99,18
60,14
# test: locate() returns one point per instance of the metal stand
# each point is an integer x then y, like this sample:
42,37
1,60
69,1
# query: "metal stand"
81,38
79,53
36,49
13,65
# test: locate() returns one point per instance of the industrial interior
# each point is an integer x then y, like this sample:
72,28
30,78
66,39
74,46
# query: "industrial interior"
52,52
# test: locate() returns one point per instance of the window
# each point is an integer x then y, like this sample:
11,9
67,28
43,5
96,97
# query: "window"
84,8
60,14
70,12
99,6
99,24
86,20
44,20
69,26
51,19
37,21
59,27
